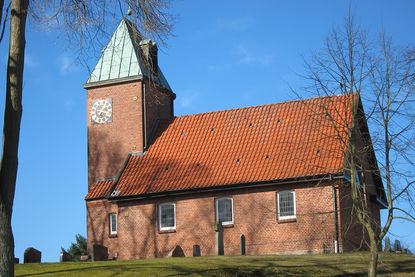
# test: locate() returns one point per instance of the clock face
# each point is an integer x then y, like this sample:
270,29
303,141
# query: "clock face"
101,111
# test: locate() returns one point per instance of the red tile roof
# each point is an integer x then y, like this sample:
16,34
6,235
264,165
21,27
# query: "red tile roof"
269,142
99,189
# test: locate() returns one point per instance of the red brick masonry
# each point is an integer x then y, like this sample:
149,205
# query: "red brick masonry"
255,216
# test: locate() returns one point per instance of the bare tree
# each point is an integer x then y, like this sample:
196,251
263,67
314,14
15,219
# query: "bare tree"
88,24
83,22
11,131
382,76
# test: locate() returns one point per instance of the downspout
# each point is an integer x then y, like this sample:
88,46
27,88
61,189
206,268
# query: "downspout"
144,117
336,221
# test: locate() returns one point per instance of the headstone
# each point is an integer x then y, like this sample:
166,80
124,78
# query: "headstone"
99,253
243,249
219,249
84,258
16,260
196,250
32,255
176,252
387,245
397,246
65,257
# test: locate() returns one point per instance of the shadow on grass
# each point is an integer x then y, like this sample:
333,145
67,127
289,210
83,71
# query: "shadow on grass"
114,269
268,269
318,265
397,266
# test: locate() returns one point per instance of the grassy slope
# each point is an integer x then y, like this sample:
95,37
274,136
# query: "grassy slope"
350,264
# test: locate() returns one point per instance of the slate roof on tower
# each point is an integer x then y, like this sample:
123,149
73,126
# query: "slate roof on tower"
240,146
122,58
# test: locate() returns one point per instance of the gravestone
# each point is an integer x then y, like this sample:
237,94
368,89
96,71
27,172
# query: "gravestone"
84,258
99,253
397,246
16,260
219,249
243,249
65,257
32,255
196,250
176,252
387,245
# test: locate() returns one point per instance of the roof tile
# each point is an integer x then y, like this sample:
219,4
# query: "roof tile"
99,189
291,133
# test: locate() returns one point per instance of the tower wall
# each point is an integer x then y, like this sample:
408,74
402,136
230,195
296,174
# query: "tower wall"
136,107
109,143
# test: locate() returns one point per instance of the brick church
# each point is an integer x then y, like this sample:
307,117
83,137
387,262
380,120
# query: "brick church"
272,173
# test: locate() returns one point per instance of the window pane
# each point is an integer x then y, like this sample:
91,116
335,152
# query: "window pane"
166,215
286,203
225,210
113,223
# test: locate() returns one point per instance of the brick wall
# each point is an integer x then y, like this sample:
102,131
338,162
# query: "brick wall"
255,216
159,105
97,217
352,231
110,143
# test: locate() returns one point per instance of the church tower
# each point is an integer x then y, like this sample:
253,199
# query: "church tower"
127,94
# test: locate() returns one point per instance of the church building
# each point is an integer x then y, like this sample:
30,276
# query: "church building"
272,174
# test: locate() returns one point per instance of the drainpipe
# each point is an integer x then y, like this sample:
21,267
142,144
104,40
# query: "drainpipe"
336,222
144,117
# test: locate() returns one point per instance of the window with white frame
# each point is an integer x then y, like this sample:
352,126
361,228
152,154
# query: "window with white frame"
286,204
167,216
113,224
224,210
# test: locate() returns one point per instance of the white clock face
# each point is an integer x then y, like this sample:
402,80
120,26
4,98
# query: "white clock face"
101,111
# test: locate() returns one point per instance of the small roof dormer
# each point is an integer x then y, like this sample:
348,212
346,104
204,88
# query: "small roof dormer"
127,56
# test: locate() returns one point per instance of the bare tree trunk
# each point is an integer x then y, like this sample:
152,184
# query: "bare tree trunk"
11,131
373,259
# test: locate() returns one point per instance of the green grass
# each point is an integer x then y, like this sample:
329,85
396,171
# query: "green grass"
350,264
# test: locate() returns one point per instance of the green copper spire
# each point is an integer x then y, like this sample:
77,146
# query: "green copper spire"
123,58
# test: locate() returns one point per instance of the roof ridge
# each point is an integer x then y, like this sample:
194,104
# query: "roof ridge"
257,106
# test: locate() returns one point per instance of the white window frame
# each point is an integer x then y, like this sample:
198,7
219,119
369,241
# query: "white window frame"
278,206
217,210
174,216
112,224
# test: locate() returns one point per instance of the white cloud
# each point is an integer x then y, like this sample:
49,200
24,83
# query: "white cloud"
67,64
187,98
29,61
225,25
69,103
235,24
247,57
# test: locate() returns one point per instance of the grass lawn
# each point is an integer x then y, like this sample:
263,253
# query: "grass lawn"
350,264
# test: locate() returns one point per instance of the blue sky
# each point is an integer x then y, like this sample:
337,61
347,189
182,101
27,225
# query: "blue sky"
225,54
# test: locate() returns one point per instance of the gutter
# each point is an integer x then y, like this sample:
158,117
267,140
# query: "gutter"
169,193
144,107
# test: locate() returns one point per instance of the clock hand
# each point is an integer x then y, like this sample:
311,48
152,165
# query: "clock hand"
100,112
